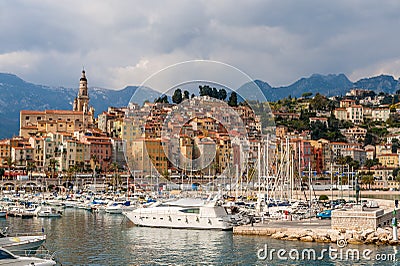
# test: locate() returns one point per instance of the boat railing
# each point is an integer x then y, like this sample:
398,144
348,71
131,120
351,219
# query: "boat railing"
38,233
168,213
5,233
39,253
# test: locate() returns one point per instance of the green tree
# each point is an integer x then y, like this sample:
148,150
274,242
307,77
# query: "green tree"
368,179
30,167
205,90
71,173
9,163
222,94
116,177
319,102
233,99
318,130
214,93
323,198
306,94
186,95
396,173
162,99
177,97
370,139
395,145
354,164
53,165
370,163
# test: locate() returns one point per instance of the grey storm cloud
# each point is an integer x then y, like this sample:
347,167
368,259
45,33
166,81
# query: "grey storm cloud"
123,42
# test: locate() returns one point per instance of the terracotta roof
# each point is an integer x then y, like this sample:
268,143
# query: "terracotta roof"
32,112
29,127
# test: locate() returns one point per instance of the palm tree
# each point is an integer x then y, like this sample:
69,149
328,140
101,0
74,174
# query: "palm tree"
53,165
94,163
116,180
71,172
30,167
165,174
9,163
368,179
370,163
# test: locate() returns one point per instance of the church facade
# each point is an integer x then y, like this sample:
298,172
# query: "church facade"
37,123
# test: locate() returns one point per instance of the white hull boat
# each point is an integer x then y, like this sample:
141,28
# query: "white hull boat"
118,207
8,258
183,213
20,243
48,212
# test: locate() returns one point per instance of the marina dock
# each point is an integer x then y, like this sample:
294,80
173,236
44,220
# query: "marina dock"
314,230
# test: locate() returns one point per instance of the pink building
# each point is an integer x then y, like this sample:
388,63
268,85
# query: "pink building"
100,150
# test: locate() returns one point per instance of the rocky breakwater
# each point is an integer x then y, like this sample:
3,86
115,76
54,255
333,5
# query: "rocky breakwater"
368,236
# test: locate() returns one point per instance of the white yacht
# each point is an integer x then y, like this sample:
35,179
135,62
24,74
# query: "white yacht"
117,207
182,213
3,213
19,242
8,258
47,212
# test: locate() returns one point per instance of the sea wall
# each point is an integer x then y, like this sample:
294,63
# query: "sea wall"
359,219
368,236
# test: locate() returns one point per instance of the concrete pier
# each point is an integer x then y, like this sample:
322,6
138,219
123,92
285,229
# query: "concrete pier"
317,231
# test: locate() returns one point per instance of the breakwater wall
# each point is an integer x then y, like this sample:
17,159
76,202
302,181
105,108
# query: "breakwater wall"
379,236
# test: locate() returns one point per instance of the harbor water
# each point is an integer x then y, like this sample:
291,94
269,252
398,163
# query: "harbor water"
84,238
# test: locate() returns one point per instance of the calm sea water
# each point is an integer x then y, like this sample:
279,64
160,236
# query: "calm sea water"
84,238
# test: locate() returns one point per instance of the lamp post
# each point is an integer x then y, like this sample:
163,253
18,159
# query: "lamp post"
394,224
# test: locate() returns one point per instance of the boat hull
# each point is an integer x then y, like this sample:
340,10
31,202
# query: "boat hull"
172,218
20,243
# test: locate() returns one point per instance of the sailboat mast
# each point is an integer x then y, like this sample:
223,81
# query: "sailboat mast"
309,184
267,168
259,166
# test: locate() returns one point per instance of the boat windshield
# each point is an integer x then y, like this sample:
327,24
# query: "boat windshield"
192,210
4,255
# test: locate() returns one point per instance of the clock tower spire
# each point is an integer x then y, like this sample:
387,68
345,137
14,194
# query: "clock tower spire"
81,103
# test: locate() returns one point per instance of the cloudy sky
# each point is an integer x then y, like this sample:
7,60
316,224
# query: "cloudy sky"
124,42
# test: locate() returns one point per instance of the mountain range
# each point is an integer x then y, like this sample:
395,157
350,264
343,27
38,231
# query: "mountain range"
17,94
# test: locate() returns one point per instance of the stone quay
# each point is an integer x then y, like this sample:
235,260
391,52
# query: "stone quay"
358,225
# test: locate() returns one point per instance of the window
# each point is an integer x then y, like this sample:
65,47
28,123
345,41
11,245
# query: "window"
193,210
26,117
5,255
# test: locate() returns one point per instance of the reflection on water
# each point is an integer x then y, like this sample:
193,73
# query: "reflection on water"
83,238
391,196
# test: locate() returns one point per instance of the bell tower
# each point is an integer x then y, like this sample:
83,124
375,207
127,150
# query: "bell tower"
81,103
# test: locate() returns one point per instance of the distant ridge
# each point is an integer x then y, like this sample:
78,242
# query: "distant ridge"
17,94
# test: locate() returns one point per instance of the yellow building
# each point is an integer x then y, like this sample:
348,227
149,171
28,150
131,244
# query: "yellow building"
389,160
41,122
224,153
156,153
186,146
4,151
340,113
144,150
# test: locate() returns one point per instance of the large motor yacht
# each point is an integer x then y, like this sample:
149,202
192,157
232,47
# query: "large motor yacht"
182,213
